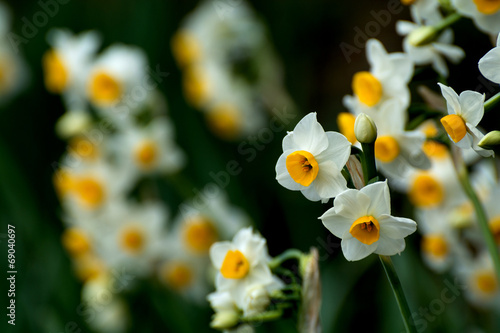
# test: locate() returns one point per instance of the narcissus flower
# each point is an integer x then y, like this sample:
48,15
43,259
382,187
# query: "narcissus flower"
464,114
312,160
484,13
362,220
243,264
489,65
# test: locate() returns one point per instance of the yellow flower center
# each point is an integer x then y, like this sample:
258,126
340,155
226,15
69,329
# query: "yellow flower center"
486,282
196,86
89,191
199,235
89,267
146,154
302,167
104,89
76,242
367,87
495,228
186,48
132,240
56,74
408,2
63,182
235,265
430,129
386,148
345,122
83,148
454,126
425,191
435,245
225,121
177,275
487,7
435,149
366,229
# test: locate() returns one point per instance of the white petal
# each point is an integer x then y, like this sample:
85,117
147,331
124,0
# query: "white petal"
380,200
329,182
411,143
439,65
351,204
476,136
403,28
309,135
338,151
289,142
282,175
389,246
336,224
377,56
451,99
355,250
472,104
218,253
489,65
396,227
454,53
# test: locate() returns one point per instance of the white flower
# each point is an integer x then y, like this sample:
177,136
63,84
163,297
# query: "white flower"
422,10
241,264
362,220
387,80
464,114
312,160
484,13
432,53
489,65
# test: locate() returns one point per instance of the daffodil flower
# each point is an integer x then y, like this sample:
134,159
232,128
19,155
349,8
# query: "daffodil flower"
484,13
464,114
489,65
362,220
312,160
241,264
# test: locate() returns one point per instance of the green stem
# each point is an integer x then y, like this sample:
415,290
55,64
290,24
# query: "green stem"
481,218
491,102
368,162
287,255
397,288
447,21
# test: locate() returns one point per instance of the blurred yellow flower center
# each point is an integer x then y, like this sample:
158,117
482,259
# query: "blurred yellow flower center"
366,229
178,275
186,48
487,7
89,191
386,148
435,149
235,265
76,241
454,126
196,86
83,148
367,87
200,234
429,128
132,240
146,154
486,282
408,2
56,74
435,245
89,267
495,228
3,77
302,167
104,89
425,191
345,122
225,121
63,182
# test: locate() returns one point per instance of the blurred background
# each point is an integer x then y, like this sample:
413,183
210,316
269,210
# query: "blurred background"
306,37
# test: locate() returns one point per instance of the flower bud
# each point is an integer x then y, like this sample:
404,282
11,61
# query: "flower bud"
256,300
365,129
490,140
423,35
73,123
224,319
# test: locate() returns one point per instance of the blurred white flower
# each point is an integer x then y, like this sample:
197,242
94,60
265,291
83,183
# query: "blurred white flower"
362,220
484,13
312,160
489,64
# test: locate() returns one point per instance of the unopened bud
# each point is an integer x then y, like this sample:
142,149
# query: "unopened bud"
224,320
490,140
422,36
365,129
